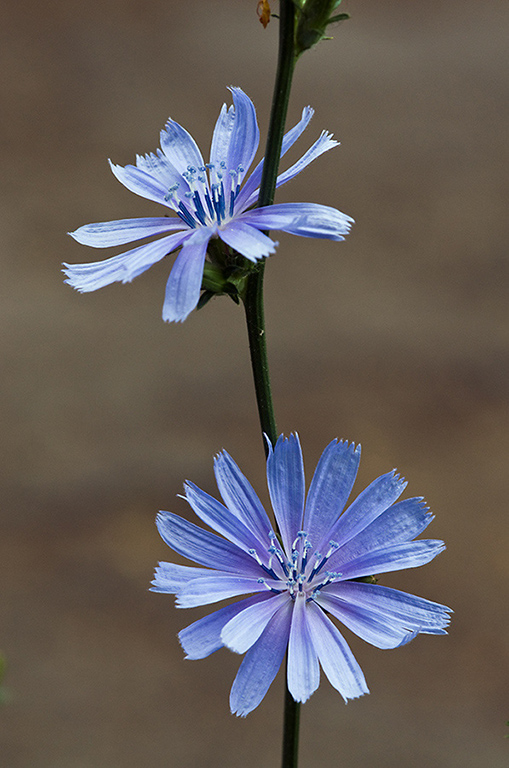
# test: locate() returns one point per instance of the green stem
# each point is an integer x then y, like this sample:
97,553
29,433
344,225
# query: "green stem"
253,299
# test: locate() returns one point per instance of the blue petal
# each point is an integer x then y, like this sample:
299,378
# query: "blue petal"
401,523
247,240
184,283
409,610
204,547
108,233
370,626
218,586
170,577
289,139
203,637
245,135
303,671
261,663
122,268
321,145
180,148
395,558
336,658
140,182
330,488
215,514
304,219
244,629
240,498
222,135
368,505
285,477
158,166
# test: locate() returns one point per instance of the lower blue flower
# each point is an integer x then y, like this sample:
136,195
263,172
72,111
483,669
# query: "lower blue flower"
301,577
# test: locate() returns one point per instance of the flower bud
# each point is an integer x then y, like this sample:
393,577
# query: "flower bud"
313,18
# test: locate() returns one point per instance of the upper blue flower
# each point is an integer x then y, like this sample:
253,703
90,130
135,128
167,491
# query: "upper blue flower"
300,577
211,200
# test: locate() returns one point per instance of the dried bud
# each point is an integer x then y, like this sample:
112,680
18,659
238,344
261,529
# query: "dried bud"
263,11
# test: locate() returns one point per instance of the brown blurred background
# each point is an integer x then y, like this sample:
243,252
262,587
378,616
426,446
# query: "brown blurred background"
397,339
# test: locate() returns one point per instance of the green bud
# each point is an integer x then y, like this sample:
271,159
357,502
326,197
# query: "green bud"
224,273
313,18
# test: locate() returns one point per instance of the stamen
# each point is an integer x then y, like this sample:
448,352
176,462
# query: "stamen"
222,202
209,204
333,545
186,216
291,587
300,535
271,589
268,570
215,202
307,547
200,211
168,198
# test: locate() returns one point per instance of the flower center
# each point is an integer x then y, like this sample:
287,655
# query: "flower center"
301,573
209,196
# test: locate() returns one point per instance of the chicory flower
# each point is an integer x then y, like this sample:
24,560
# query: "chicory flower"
210,200
313,568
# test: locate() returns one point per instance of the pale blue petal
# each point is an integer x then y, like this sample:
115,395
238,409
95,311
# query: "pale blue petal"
304,219
241,499
330,488
373,628
140,182
170,577
124,267
180,148
321,145
409,555
244,629
289,139
247,240
285,478
105,234
260,664
400,523
219,586
303,670
158,166
184,283
203,637
368,505
222,135
298,129
204,547
215,514
336,658
409,610
245,135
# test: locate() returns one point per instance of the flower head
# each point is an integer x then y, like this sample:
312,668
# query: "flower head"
300,577
210,200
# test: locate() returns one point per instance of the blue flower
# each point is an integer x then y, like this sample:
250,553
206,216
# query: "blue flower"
300,577
211,200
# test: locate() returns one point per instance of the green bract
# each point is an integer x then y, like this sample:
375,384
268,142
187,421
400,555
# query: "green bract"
313,18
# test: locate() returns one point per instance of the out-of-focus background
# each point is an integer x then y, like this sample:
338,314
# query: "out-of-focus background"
397,338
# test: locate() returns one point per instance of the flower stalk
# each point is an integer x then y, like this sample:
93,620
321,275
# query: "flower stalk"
254,306
253,300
